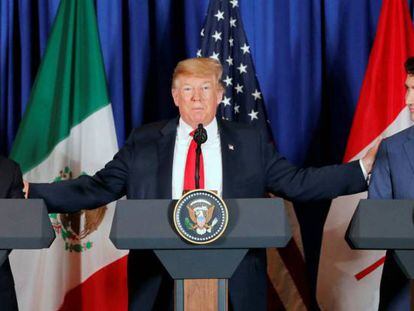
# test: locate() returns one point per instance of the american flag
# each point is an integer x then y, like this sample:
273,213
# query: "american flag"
223,38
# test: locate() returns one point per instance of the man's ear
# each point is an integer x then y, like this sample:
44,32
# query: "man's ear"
174,94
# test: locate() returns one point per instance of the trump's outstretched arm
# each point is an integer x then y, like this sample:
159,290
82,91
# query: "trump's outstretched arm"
310,184
87,192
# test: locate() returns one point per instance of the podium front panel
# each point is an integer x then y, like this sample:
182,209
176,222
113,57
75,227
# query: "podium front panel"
201,263
382,224
24,224
405,259
147,224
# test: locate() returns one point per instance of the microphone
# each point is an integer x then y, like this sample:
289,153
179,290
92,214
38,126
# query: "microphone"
200,137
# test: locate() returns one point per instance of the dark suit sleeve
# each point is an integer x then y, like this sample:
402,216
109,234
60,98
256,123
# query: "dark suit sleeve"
16,188
88,192
380,186
310,184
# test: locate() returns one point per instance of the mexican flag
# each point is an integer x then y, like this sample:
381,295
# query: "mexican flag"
68,130
350,279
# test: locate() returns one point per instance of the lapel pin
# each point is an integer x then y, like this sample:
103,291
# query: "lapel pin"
231,147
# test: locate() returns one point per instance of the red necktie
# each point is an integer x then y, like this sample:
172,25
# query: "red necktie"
189,180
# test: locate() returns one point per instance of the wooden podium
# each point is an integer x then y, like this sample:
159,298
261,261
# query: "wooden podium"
200,271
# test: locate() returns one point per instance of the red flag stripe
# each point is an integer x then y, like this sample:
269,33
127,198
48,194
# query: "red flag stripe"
295,264
273,300
92,295
369,269
382,93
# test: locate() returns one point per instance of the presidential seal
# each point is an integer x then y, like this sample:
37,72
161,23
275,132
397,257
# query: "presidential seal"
200,216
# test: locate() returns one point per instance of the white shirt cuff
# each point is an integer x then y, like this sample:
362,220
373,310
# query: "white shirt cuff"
366,176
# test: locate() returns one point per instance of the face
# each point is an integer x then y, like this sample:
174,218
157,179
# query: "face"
197,98
409,95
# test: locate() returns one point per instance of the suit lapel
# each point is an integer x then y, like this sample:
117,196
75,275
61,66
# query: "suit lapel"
165,149
229,158
409,147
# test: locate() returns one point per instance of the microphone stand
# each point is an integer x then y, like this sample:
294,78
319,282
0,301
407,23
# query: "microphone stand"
200,137
197,166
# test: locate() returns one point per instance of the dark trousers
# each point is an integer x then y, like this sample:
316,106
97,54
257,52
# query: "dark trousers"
395,286
8,301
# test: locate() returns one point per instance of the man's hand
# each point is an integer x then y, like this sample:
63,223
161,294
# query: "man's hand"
369,158
26,188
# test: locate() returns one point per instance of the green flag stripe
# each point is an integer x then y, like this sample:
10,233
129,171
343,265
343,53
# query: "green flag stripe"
69,87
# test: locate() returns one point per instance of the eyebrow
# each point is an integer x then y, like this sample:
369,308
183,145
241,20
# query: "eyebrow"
205,82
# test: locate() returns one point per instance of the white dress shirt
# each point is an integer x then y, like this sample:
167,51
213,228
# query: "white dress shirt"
213,170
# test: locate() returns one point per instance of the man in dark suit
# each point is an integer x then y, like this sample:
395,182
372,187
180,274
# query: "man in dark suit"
392,179
239,162
11,186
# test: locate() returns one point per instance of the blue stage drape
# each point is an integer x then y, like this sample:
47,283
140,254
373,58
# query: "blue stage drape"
310,58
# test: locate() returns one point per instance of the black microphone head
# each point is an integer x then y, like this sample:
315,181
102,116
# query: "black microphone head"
200,135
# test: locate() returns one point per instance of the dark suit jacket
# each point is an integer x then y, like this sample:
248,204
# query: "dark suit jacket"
10,187
142,169
392,178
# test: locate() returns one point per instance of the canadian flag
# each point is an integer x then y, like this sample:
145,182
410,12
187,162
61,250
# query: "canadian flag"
349,279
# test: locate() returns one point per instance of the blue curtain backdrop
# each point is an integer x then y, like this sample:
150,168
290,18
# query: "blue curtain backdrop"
310,59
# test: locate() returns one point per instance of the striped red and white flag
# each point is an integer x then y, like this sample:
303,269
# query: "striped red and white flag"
288,285
349,279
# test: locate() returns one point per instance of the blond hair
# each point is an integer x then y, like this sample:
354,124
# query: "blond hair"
199,67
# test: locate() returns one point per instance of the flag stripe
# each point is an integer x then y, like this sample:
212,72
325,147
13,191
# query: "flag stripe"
86,151
369,269
273,300
78,76
93,294
293,260
284,283
385,75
